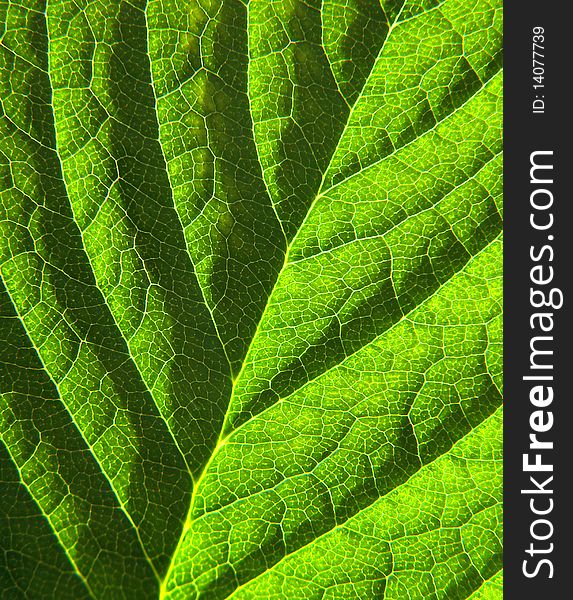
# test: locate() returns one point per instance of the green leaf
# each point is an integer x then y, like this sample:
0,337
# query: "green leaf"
250,299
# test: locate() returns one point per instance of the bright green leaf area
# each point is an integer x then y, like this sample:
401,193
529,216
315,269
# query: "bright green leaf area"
250,299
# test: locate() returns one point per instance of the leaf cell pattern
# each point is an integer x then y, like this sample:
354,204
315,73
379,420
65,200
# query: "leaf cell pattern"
250,299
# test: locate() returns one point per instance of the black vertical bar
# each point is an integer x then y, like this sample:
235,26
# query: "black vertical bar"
525,132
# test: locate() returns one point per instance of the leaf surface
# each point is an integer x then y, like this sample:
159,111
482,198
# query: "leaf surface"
250,302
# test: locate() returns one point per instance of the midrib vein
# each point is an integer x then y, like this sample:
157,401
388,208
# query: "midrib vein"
222,437
395,325
286,261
